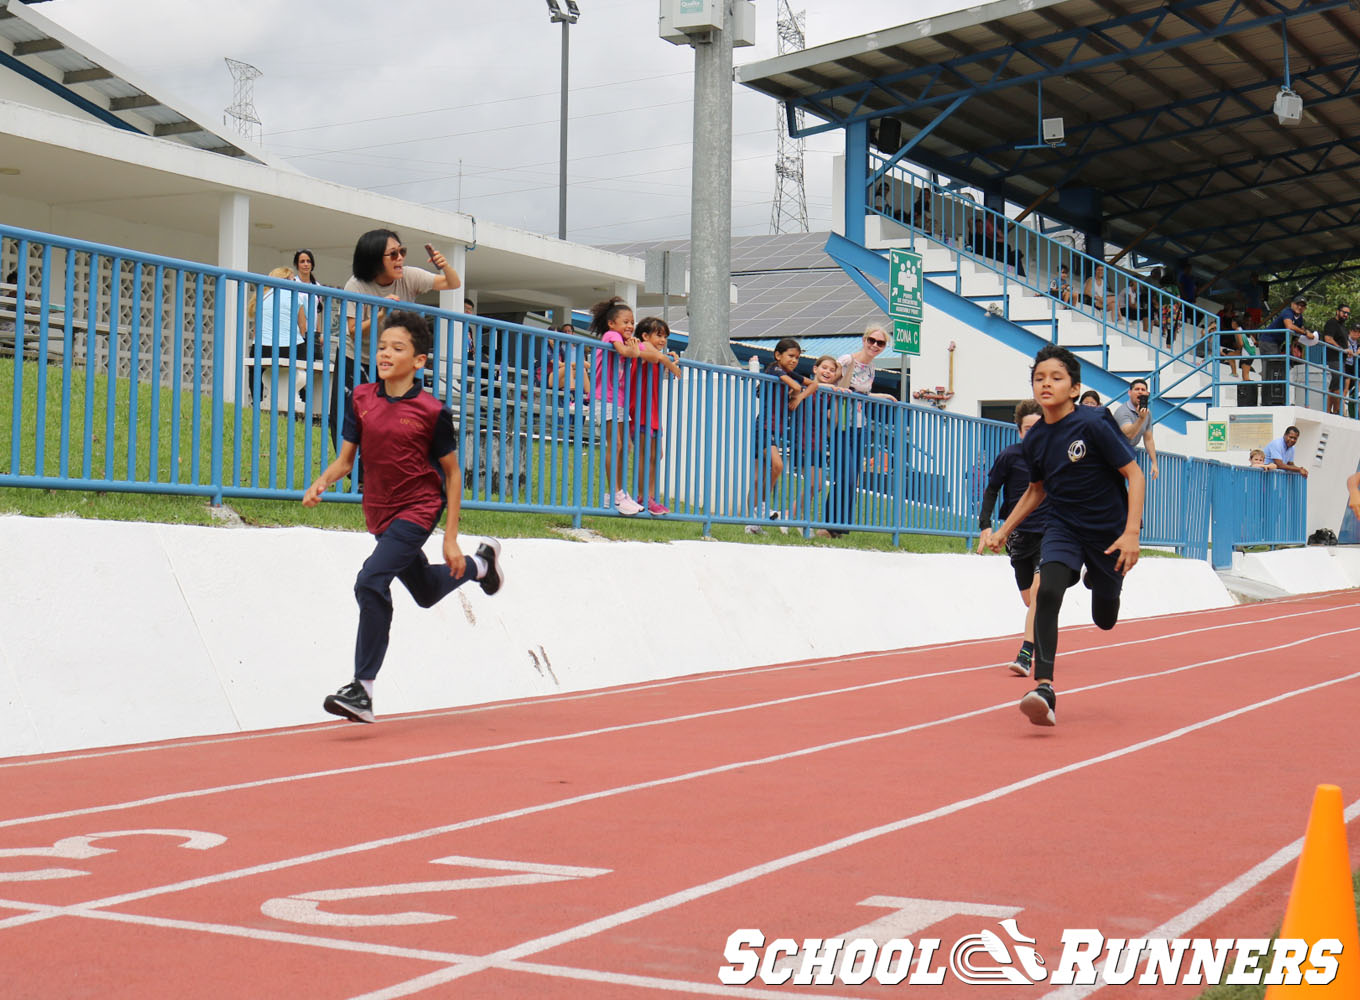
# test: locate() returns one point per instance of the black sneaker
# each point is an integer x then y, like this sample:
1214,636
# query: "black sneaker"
1040,706
490,553
1021,666
350,702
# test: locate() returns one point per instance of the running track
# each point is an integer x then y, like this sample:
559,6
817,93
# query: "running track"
604,845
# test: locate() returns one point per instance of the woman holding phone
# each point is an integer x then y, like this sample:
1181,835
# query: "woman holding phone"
380,270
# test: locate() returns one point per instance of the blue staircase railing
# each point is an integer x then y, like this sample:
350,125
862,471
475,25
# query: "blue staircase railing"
1120,302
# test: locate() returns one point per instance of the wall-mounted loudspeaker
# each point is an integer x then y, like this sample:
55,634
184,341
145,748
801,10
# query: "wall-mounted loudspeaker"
889,136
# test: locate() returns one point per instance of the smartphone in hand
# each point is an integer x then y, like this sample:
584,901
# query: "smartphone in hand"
429,250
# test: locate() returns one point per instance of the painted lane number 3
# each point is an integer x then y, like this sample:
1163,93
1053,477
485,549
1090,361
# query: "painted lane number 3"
305,907
82,847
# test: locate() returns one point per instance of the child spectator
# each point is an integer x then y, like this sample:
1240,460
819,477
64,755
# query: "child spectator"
411,475
811,432
645,407
1061,286
776,403
1257,459
612,322
1009,477
1090,398
1080,462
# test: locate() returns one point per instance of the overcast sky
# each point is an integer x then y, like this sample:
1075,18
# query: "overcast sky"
391,96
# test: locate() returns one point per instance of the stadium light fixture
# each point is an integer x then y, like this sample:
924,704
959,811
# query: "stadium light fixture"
566,18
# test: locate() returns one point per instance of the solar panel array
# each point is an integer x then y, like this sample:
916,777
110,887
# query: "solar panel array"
787,287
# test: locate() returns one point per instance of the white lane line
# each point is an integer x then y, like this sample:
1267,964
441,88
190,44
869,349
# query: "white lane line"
1219,899
704,678
601,731
545,807
676,899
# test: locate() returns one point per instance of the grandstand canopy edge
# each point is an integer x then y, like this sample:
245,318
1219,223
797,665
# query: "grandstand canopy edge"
1171,143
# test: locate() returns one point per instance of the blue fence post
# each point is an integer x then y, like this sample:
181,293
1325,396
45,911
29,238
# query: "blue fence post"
218,409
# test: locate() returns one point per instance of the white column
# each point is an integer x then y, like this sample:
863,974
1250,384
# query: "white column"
626,290
233,251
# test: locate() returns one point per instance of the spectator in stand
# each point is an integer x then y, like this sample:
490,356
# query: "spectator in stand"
1353,493
1280,452
1061,286
1094,293
1135,420
1232,343
304,263
280,340
379,269
1334,335
1351,367
1289,321
1171,306
558,370
1256,458
1090,398
1136,304
847,451
645,408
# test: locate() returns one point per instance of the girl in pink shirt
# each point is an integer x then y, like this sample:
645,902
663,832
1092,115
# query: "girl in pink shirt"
612,322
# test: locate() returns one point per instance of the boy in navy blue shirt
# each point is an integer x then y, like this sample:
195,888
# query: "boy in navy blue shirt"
408,440
1010,478
1079,461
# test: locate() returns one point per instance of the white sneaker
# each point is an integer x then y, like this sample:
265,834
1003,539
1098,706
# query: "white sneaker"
626,505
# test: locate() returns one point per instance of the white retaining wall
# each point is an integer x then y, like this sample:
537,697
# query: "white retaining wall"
116,633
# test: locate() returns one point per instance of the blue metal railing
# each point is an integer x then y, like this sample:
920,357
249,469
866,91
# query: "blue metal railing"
1119,302
139,373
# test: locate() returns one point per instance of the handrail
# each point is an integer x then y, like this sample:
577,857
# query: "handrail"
1119,301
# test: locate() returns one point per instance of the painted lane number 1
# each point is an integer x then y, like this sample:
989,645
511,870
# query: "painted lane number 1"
305,907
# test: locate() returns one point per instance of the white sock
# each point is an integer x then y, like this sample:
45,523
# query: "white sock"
368,687
481,566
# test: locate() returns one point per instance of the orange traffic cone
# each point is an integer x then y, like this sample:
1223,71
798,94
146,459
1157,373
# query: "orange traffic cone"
1322,901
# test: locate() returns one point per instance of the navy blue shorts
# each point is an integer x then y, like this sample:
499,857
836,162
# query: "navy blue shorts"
1024,547
1062,545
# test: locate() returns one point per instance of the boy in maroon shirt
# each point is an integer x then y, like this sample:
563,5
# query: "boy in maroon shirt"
407,439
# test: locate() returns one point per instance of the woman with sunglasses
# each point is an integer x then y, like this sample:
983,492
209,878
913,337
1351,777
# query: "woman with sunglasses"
380,270
847,455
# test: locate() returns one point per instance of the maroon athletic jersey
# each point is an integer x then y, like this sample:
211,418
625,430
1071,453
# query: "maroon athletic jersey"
400,443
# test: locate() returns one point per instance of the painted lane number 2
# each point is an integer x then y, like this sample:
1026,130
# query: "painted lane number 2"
305,907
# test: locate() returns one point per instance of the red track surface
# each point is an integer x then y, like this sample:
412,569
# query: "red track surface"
605,845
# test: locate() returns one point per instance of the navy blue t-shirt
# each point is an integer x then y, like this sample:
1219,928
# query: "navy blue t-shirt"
1010,477
1078,460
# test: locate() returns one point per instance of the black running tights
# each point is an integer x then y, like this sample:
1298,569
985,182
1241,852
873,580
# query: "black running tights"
1054,579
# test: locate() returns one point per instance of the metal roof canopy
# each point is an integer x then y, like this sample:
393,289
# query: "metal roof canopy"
1168,115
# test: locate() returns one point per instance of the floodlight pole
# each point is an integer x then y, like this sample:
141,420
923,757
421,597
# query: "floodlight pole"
562,143
567,18
710,309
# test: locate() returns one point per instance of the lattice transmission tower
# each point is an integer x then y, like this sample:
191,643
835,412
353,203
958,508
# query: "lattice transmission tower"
240,115
789,213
